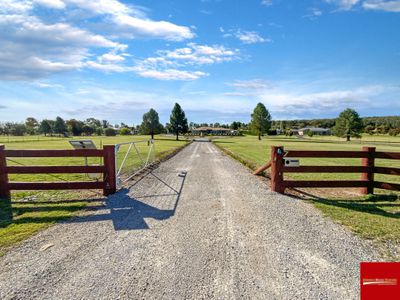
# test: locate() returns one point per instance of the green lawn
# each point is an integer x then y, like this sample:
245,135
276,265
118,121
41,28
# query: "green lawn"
255,153
366,138
29,212
376,218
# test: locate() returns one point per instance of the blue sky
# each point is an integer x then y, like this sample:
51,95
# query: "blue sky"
114,60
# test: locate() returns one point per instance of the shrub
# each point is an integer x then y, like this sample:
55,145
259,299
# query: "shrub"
394,131
289,132
99,131
125,131
110,132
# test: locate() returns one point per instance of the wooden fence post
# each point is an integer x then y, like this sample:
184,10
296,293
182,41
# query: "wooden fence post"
110,183
277,184
369,175
4,189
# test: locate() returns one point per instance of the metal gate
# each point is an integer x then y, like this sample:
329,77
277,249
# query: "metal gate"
132,158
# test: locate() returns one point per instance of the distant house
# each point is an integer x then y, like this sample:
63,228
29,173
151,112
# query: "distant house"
213,131
294,131
314,130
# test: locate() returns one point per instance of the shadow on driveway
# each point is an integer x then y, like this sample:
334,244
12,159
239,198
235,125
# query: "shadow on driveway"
129,212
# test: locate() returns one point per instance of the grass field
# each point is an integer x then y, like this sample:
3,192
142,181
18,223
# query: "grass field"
365,139
376,218
30,212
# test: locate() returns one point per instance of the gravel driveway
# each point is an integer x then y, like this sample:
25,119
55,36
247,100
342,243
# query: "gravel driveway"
200,227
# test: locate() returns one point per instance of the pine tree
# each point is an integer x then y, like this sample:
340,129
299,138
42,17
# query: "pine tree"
260,120
59,126
45,127
151,123
178,121
348,124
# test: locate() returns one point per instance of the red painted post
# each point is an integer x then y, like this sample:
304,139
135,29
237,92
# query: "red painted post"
277,183
369,175
110,183
4,189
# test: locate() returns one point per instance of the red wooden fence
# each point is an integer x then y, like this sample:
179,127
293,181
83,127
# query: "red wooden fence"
367,169
108,185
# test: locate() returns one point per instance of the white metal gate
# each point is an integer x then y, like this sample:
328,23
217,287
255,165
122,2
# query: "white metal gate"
131,158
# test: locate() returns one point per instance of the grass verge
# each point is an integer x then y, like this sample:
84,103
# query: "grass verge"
29,212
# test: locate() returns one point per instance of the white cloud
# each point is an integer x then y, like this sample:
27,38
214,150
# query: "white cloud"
169,74
383,5
32,49
46,85
194,54
290,100
344,4
108,67
57,4
314,13
254,84
111,57
166,66
132,21
266,2
250,37
315,102
391,6
112,7
34,31
155,29
14,6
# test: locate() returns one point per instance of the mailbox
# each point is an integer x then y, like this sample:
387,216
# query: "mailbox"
291,162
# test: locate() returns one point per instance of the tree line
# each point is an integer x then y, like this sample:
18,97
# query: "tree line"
371,125
150,126
348,124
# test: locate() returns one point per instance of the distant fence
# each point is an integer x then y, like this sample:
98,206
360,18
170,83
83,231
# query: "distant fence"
108,183
367,169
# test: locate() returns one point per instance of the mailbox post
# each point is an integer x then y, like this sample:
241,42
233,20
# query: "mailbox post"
277,163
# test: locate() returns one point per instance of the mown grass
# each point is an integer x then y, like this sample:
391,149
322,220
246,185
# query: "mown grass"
29,212
257,153
371,217
375,218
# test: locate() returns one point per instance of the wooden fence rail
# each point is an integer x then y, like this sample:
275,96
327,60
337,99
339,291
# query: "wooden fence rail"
108,184
367,169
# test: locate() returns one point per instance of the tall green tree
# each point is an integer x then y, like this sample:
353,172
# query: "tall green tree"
60,126
348,125
92,122
31,125
88,130
260,120
45,127
75,127
151,123
105,124
178,121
